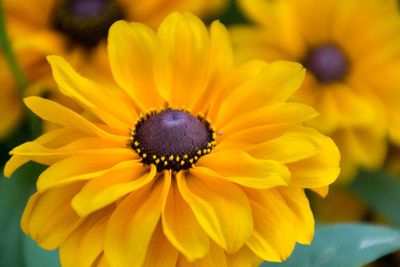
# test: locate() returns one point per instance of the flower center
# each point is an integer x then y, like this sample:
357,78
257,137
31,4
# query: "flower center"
86,22
172,139
328,63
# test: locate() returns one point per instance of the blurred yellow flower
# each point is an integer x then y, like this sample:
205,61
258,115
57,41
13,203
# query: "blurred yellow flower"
351,50
76,30
10,102
193,162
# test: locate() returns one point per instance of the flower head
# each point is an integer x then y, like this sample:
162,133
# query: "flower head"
351,51
191,161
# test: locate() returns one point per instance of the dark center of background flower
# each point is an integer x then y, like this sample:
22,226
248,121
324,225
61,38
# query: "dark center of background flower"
87,8
86,22
328,63
172,139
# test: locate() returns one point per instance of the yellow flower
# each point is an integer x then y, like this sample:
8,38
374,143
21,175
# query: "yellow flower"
76,30
351,50
194,161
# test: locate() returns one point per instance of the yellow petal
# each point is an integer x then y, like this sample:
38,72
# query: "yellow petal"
243,258
80,168
160,252
274,233
86,243
133,223
316,19
339,99
183,40
131,50
38,43
298,203
13,164
220,66
102,261
256,135
321,191
83,146
268,13
239,76
214,203
59,137
275,84
181,227
214,258
355,147
56,113
56,137
272,115
239,167
279,35
319,170
101,101
27,13
110,187
49,218
289,147
357,144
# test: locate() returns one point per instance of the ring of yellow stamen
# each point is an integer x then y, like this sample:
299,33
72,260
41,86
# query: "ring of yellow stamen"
167,138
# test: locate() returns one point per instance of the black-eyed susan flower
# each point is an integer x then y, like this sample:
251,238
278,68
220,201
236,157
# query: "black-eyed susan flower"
76,30
351,50
193,162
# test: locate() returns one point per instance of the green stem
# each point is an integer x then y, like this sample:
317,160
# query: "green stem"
9,55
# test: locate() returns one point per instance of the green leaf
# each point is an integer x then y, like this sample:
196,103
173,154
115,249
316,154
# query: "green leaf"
13,195
344,245
10,241
381,192
35,256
